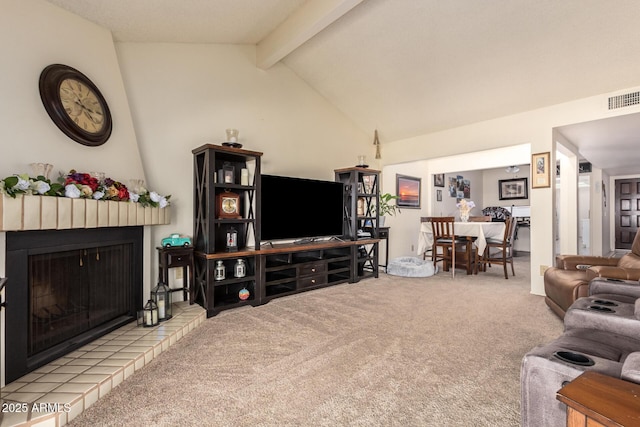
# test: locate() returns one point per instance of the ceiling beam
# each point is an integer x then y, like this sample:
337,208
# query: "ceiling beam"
311,18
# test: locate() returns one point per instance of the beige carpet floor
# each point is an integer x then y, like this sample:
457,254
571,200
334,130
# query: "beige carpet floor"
394,351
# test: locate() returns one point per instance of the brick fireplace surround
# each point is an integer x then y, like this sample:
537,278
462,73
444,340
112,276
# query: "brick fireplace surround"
56,393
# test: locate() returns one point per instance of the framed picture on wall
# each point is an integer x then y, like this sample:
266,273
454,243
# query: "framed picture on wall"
540,170
512,189
438,180
438,195
408,191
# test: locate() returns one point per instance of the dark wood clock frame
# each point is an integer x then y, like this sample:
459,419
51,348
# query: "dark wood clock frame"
50,80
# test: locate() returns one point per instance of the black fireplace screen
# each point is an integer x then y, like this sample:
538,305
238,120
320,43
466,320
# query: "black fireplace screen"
68,287
74,291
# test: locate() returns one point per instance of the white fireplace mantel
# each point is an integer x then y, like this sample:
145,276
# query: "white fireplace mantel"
59,213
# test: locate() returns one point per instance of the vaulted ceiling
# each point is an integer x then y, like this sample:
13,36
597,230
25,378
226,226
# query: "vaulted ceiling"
410,67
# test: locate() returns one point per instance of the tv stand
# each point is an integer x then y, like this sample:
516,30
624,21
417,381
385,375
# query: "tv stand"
291,268
271,269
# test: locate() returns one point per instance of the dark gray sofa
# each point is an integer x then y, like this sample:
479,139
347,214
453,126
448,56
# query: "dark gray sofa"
601,333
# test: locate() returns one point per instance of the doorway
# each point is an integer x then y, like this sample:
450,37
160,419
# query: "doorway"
627,211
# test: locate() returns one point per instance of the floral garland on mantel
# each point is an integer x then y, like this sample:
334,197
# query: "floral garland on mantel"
78,185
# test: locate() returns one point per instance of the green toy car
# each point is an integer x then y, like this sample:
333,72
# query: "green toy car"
176,240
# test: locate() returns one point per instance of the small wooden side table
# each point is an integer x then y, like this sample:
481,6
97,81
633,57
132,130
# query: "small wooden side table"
597,400
177,256
383,234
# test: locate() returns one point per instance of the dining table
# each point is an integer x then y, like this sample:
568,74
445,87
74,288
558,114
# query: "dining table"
480,230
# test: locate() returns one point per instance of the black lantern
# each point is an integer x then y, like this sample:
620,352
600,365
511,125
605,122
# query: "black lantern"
228,173
161,295
232,240
150,314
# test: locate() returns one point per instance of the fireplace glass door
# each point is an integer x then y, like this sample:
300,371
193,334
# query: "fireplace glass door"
67,288
74,291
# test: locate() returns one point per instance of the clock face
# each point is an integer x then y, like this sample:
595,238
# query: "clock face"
75,105
229,205
82,105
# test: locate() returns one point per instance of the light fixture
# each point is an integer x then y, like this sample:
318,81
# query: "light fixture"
512,169
376,142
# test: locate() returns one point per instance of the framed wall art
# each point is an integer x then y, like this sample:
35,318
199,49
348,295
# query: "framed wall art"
438,180
408,191
540,170
512,189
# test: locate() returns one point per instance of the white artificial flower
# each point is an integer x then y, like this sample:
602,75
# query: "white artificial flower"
133,196
163,202
98,195
70,190
22,184
40,187
155,197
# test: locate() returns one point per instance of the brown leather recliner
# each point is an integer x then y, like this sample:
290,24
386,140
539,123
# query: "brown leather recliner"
569,279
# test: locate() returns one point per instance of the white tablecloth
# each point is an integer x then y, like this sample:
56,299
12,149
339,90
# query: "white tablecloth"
481,230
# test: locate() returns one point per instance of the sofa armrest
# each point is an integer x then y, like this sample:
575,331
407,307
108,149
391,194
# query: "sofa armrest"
573,262
612,287
613,272
631,368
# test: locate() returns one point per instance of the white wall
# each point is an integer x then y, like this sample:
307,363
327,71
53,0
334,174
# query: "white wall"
34,34
186,95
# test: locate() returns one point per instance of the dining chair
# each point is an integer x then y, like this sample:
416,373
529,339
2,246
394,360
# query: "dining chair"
428,252
483,218
500,251
444,238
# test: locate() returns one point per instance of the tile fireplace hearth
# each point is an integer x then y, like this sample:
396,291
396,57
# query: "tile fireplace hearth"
79,379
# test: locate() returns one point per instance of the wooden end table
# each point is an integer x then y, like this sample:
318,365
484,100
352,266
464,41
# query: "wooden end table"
177,256
597,400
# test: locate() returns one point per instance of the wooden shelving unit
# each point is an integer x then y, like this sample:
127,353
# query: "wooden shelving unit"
271,271
210,231
362,192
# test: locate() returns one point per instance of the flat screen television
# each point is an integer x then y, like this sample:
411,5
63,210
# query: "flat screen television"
300,208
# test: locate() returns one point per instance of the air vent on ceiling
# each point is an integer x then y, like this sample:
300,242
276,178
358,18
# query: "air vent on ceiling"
624,100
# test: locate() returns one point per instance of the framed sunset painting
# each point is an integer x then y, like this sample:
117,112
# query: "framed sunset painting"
408,191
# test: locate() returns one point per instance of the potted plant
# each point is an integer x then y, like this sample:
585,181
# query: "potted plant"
386,206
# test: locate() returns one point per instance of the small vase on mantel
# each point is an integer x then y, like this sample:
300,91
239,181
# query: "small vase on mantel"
41,169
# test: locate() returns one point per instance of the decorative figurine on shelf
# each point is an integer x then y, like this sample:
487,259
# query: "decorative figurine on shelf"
176,239
161,295
220,272
240,269
150,314
244,294
232,240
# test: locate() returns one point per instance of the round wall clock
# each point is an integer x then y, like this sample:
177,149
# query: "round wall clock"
75,105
